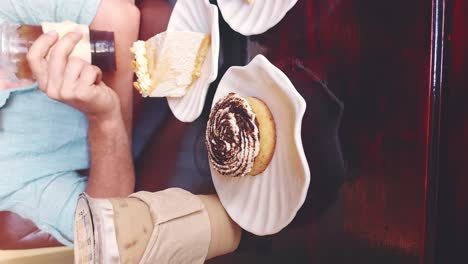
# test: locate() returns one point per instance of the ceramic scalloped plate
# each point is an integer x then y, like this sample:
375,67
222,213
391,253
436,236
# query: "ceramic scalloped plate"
197,16
266,203
256,17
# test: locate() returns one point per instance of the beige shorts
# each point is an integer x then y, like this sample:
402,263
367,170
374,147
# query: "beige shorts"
171,226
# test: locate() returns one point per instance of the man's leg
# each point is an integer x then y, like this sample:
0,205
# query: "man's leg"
123,18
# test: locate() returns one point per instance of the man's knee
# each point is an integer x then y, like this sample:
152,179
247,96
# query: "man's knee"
117,15
133,14
129,14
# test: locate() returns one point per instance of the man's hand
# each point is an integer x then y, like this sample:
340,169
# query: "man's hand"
78,84
71,81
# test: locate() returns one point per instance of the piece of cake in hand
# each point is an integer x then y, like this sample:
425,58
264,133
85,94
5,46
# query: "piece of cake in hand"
240,136
167,64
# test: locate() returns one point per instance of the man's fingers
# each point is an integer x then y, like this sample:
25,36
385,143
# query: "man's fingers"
59,59
90,75
37,57
72,73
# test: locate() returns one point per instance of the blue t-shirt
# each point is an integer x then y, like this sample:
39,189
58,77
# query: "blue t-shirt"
43,142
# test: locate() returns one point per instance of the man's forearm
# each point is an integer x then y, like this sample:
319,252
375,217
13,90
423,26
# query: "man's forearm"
111,173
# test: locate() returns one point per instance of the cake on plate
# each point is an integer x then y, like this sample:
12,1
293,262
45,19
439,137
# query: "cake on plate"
167,64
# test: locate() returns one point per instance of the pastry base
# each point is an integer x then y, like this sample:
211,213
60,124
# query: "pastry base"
267,135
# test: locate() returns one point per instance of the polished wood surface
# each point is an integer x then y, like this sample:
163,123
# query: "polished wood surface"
374,57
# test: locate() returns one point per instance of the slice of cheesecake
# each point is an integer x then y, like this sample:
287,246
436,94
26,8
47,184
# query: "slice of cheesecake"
167,64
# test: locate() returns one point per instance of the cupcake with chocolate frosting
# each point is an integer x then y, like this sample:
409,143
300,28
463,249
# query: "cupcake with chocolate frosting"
240,136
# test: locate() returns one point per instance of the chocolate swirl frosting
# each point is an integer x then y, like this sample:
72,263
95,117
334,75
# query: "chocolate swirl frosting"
232,136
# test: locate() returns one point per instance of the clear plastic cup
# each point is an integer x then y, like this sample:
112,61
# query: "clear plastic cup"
15,41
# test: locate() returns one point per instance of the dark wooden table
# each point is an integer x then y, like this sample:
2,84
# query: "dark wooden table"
383,132
367,198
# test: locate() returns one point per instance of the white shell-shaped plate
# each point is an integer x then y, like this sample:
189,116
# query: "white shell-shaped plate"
256,17
266,203
197,16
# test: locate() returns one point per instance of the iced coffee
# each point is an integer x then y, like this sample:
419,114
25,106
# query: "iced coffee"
97,47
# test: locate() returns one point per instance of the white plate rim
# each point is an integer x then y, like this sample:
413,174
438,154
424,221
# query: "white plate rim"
214,51
247,30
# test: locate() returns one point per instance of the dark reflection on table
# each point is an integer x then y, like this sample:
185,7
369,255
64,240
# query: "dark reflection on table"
371,57
363,68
